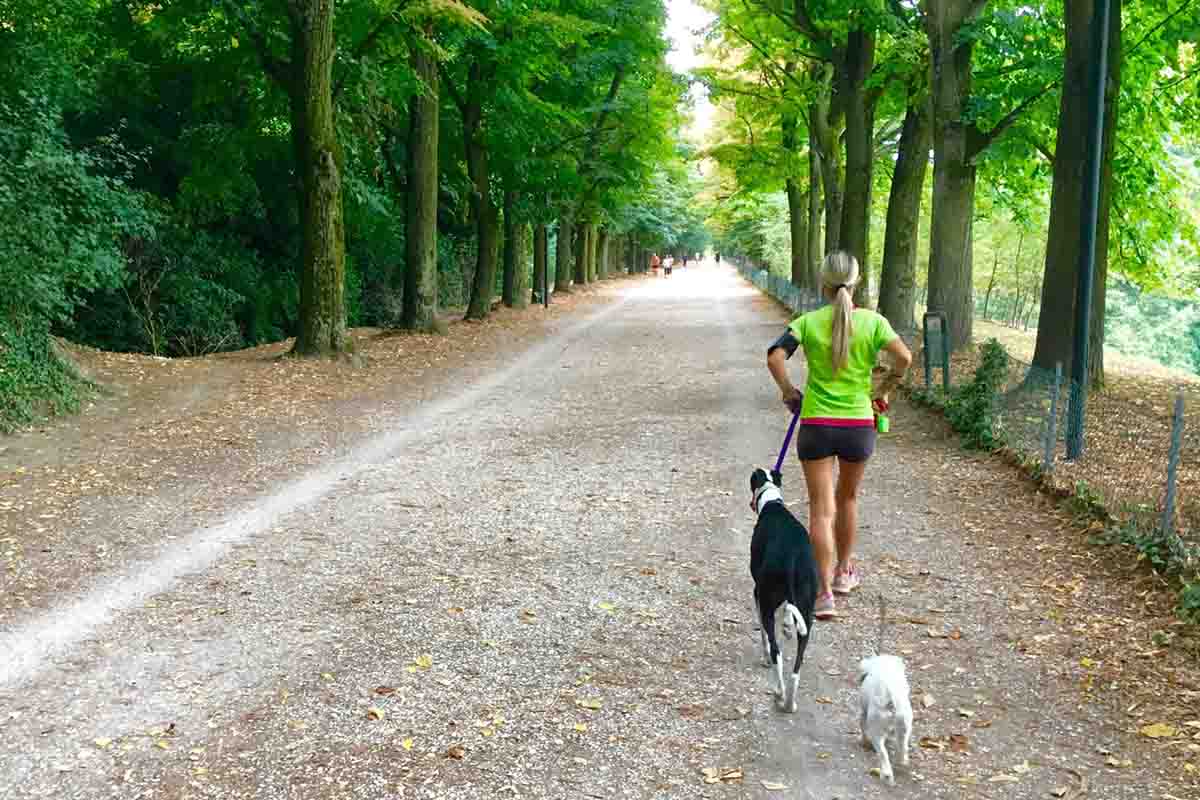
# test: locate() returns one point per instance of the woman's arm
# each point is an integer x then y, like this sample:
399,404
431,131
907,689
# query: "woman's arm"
777,358
901,361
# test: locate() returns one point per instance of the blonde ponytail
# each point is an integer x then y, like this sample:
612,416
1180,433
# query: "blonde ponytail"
839,273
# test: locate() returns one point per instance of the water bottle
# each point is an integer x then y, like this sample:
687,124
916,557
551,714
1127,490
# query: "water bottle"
881,420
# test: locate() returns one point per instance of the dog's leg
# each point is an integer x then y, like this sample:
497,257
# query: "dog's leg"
762,631
905,735
879,742
780,694
793,690
768,623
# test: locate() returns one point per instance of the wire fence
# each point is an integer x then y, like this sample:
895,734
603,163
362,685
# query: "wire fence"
1140,459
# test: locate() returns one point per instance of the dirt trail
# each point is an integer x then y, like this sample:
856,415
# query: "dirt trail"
529,579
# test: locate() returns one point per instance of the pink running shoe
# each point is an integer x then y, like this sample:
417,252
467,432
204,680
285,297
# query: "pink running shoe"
824,607
846,580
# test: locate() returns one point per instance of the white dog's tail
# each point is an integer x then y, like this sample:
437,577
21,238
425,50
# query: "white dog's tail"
792,615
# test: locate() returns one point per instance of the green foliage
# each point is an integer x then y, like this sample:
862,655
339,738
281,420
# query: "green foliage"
1165,553
1189,601
971,407
34,380
148,197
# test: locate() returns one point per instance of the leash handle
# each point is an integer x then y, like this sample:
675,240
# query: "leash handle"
777,473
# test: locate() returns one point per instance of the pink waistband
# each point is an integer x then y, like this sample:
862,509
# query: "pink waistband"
833,422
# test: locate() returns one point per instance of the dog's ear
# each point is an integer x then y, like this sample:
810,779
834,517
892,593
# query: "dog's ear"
758,478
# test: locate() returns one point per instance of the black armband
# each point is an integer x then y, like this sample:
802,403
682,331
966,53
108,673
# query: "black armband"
788,342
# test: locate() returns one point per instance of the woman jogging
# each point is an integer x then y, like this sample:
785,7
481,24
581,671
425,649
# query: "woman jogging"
840,344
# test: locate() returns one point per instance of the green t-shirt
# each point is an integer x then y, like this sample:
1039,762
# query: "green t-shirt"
846,395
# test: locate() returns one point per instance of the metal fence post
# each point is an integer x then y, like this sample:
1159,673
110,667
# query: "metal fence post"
943,348
1052,422
1168,519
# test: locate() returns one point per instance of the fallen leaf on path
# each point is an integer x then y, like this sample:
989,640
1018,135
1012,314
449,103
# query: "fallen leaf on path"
1003,778
581,727
825,700
385,690
421,662
606,606
407,744
103,742
591,704
457,752
374,713
927,700
959,743
1159,730
714,775
771,786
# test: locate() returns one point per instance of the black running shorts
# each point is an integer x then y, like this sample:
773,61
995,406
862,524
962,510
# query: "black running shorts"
853,444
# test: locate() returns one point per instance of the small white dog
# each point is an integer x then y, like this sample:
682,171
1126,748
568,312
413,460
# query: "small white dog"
886,709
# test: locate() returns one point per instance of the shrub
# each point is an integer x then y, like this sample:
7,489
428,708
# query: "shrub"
971,408
61,221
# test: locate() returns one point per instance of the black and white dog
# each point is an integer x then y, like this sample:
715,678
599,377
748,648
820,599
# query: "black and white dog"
785,576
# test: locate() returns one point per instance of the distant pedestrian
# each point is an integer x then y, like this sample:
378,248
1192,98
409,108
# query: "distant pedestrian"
654,263
668,262
718,258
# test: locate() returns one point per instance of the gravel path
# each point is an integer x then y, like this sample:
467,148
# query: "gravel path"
538,587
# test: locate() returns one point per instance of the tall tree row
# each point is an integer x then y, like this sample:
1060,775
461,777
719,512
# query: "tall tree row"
221,173
962,113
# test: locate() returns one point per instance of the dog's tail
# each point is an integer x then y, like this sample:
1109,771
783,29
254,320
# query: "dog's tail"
792,615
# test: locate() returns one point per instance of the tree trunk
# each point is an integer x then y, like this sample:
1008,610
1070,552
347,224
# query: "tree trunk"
512,250
487,227
950,263
797,212
318,156
987,298
541,262
419,312
798,231
1037,291
602,245
581,250
1055,332
898,283
592,262
813,245
825,122
854,233
562,257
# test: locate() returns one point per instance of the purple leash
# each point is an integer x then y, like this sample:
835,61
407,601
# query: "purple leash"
777,473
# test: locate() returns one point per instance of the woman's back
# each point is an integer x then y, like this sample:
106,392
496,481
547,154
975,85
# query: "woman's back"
846,393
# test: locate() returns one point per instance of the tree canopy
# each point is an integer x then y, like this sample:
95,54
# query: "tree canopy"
180,178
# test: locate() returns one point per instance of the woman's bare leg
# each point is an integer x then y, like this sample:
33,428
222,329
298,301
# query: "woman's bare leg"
822,510
845,527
